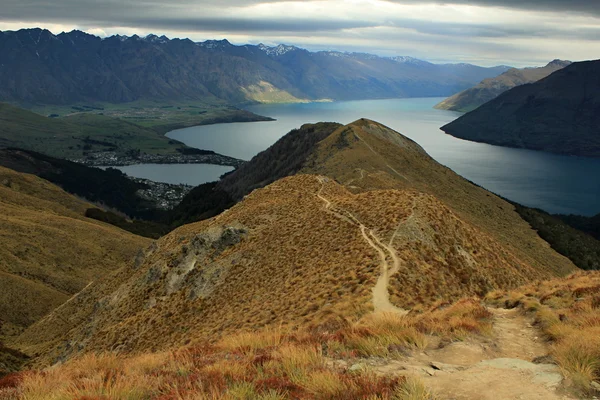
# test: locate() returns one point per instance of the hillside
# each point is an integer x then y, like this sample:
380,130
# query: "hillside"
284,158
490,88
78,68
370,223
79,135
559,114
109,187
50,251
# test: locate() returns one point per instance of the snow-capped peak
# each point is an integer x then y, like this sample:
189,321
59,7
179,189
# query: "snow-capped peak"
407,60
155,39
278,50
215,44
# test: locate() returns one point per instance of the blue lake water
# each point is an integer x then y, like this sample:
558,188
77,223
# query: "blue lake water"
190,174
558,184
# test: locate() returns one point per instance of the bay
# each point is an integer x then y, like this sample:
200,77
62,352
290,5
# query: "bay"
558,184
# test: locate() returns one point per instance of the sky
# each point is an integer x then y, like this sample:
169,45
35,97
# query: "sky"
484,32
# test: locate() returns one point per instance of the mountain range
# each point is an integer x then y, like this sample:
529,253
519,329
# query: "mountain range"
559,114
38,67
491,88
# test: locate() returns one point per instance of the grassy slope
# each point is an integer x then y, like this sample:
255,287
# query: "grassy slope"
66,137
287,260
580,247
385,167
50,250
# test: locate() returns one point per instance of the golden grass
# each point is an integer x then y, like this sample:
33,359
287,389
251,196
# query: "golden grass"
413,389
270,364
568,313
298,265
50,250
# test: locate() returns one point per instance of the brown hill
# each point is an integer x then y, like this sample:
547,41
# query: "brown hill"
375,223
490,88
50,251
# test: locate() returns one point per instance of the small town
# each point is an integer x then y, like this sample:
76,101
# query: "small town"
166,196
114,159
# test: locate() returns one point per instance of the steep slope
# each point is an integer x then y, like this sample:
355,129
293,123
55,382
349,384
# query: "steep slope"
398,232
79,68
50,251
491,88
109,187
559,114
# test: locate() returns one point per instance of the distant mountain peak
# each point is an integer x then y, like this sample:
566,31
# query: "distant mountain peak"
559,63
408,60
152,38
122,38
215,44
278,50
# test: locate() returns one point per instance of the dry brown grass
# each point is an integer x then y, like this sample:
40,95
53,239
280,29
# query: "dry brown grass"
568,312
290,370
297,265
273,363
413,169
49,249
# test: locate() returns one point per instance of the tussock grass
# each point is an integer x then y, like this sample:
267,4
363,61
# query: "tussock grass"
413,389
567,312
268,364
250,342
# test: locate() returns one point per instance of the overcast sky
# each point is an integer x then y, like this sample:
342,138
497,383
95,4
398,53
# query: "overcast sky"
485,32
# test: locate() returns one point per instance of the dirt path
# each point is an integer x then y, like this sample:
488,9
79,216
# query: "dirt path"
381,296
362,176
379,155
499,367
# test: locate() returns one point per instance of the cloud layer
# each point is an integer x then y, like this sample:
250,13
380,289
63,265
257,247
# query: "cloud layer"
516,32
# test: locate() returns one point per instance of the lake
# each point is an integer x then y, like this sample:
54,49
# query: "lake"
558,184
190,174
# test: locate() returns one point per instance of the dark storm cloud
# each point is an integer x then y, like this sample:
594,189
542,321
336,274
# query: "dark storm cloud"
590,7
470,30
209,15
178,15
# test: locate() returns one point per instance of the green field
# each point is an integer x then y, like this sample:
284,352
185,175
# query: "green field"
159,116
74,131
